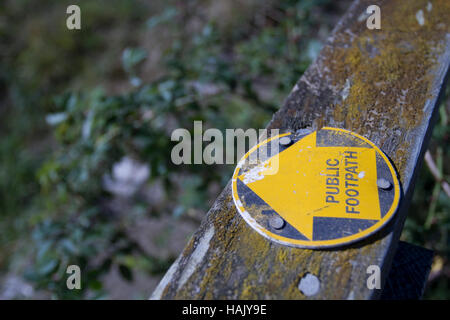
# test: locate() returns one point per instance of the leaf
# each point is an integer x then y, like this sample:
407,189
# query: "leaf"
69,246
178,211
87,125
314,47
168,14
54,119
48,268
135,81
95,285
131,57
126,272
165,89
43,250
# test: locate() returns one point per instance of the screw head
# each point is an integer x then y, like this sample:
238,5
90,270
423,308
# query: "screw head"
276,222
383,184
285,141
309,285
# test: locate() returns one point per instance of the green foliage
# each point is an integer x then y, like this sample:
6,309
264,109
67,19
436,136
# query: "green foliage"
94,131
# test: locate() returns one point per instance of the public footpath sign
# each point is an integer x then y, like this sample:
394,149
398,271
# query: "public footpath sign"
318,189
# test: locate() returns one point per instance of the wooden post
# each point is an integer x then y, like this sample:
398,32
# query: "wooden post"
382,84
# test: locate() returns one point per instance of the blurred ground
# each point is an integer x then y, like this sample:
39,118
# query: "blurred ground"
79,185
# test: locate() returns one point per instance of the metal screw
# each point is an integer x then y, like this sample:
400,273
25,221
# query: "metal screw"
285,141
383,184
276,222
309,285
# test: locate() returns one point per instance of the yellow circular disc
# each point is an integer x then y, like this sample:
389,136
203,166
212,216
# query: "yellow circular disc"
316,189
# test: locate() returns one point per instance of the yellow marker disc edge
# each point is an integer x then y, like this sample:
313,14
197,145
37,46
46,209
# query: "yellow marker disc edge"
321,243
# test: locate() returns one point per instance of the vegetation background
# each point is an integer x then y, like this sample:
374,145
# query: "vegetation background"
85,124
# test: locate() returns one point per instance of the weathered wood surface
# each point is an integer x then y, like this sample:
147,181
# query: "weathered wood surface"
383,84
